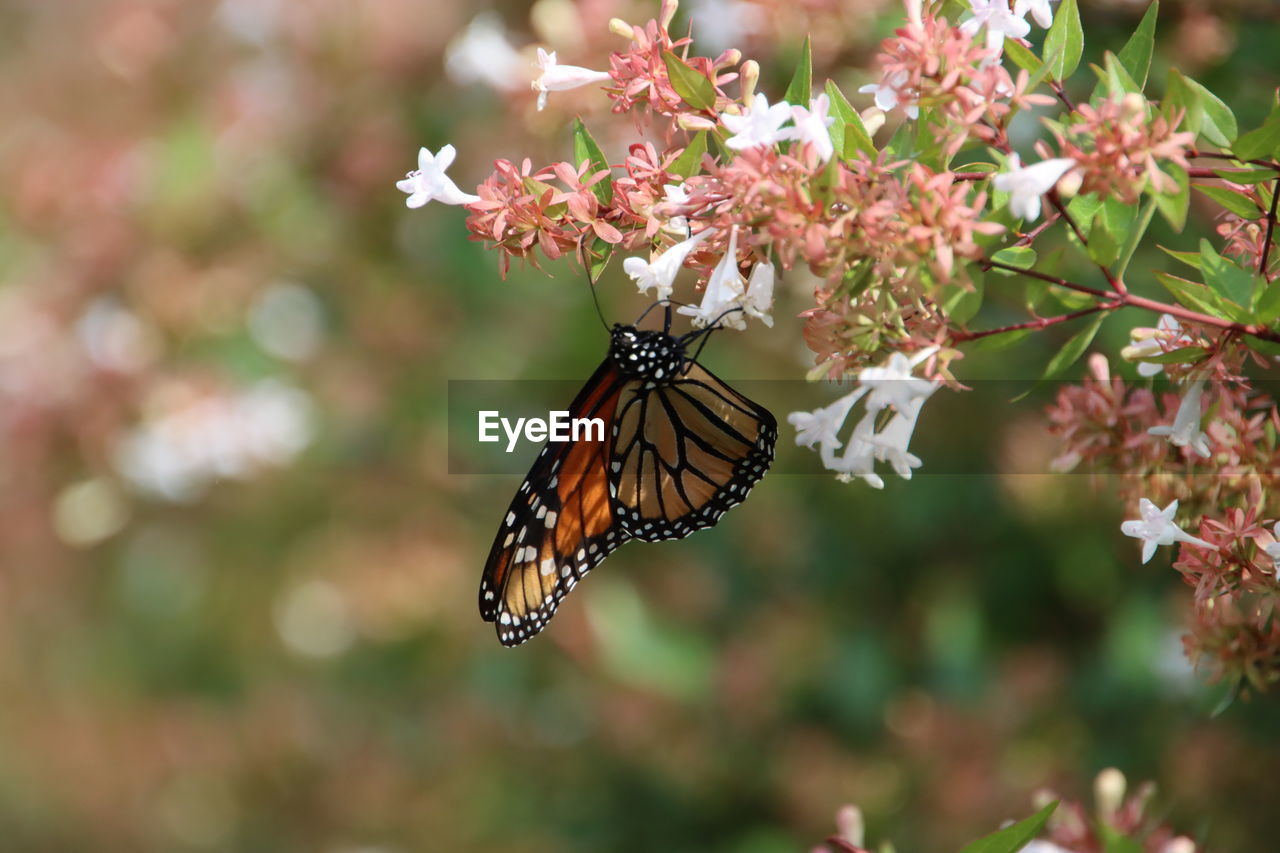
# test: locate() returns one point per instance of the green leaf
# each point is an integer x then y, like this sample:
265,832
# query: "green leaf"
1173,206
1191,259
1263,142
1114,842
1185,355
962,303
1246,176
1022,56
1067,356
1104,247
1082,209
847,131
1206,115
1232,201
1224,276
1017,256
902,145
1137,231
1065,42
1266,300
1264,347
1135,56
1114,77
585,149
799,91
1012,838
696,90
600,253
998,341
1200,298
690,159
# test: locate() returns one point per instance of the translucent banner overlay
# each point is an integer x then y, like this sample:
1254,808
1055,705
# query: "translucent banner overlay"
996,427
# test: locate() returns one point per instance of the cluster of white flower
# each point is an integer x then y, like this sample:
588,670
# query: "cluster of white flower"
194,440
892,385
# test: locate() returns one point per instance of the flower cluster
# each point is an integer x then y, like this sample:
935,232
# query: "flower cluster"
1118,146
738,188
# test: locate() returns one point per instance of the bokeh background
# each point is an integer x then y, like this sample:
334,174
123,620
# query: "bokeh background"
237,578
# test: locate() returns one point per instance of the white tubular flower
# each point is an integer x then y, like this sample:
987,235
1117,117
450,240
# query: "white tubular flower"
1185,431
759,125
429,182
1026,185
999,20
1039,10
482,54
725,289
560,78
1273,550
758,300
660,273
673,195
891,442
1146,344
889,96
812,123
893,384
1156,528
822,425
858,459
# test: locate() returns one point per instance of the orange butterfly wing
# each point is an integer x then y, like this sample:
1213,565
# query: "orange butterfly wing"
560,524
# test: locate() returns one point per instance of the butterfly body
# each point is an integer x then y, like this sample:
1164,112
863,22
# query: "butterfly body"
681,448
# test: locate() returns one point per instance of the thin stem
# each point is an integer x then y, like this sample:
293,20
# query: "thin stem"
1227,155
841,845
1042,323
1271,228
1030,236
1126,299
1062,95
1051,279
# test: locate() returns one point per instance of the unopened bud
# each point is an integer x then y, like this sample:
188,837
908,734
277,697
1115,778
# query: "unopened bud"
1069,184
689,121
732,56
667,12
750,76
1134,106
850,824
1181,844
619,27
872,119
1108,792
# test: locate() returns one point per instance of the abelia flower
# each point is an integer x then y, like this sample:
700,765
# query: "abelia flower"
429,182
560,78
893,383
761,124
660,273
758,300
1039,9
889,94
999,20
725,289
1149,343
1027,184
1156,527
811,126
1185,431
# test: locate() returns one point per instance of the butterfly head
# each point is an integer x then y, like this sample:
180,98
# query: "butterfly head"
646,354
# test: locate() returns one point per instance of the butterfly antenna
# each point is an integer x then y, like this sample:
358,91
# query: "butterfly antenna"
585,257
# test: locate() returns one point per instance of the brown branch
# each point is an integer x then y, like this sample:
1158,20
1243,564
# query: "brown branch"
1271,229
1042,323
1227,155
1122,300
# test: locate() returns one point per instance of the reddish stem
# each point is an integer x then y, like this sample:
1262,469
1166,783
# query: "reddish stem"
1126,299
1042,323
1271,228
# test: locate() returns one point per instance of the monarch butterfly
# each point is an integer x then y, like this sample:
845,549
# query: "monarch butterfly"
680,449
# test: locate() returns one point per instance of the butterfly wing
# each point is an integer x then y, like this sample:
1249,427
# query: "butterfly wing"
684,453
560,524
